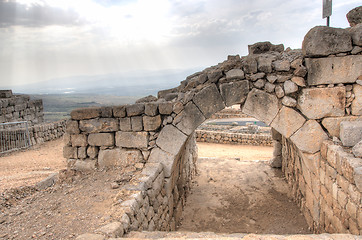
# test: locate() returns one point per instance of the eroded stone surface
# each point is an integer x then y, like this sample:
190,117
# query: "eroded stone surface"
171,139
356,105
332,124
333,70
132,139
287,121
99,125
261,105
166,159
324,41
354,16
309,137
209,100
234,92
101,139
85,113
351,133
316,103
191,118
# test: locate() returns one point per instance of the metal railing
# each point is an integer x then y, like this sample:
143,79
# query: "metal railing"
14,136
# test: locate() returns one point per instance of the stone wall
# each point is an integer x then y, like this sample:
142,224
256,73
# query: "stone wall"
234,138
16,108
307,96
326,186
43,132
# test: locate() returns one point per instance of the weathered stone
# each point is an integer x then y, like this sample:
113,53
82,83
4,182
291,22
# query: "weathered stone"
191,119
135,109
309,137
166,159
89,236
357,149
276,135
118,158
333,70
300,71
269,87
290,87
256,76
114,230
299,81
214,76
264,47
279,92
147,99
235,74
261,105
125,124
209,100
316,103
250,64
287,121
324,41
92,151
47,182
101,139
356,50
356,33
82,152
260,83
165,108
171,139
281,65
178,107
84,165
354,16
265,64
332,124
119,111
351,133
289,101
234,92
151,109
72,127
106,112
132,139
99,125
272,78
136,123
152,123
356,105
85,113
79,140
69,152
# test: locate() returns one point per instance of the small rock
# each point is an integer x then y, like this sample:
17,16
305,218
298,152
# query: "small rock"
290,87
260,83
272,78
279,92
359,82
356,50
289,101
114,185
354,16
269,87
299,81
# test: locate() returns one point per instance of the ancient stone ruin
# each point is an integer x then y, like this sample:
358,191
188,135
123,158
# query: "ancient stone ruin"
312,98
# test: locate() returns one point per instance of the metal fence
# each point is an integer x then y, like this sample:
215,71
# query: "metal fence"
14,136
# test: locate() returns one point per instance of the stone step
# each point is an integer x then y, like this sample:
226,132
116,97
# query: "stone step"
211,236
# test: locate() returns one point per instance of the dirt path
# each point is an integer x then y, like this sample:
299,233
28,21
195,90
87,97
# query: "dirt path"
27,167
233,196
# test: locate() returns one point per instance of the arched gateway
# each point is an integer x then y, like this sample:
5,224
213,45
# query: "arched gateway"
309,96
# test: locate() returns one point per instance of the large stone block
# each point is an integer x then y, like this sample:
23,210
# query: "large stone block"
166,159
209,100
354,16
332,124
171,139
287,121
333,70
70,152
135,109
356,105
316,103
137,123
165,108
99,125
264,47
261,105
85,113
151,109
234,92
79,140
119,111
351,133
152,123
101,139
84,165
235,74
191,119
324,41
72,127
118,158
125,124
250,64
132,139
356,33
310,137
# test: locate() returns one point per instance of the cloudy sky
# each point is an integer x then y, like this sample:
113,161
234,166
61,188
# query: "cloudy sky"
42,40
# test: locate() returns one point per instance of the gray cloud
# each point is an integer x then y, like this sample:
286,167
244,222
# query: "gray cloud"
35,15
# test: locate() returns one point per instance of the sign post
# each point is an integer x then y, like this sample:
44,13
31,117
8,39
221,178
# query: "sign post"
327,10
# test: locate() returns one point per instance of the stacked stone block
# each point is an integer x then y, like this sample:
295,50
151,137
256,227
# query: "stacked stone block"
234,138
15,108
304,95
44,132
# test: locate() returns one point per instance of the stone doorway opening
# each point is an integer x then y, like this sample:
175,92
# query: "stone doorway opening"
235,189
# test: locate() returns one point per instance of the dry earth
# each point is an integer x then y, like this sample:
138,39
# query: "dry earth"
82,203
